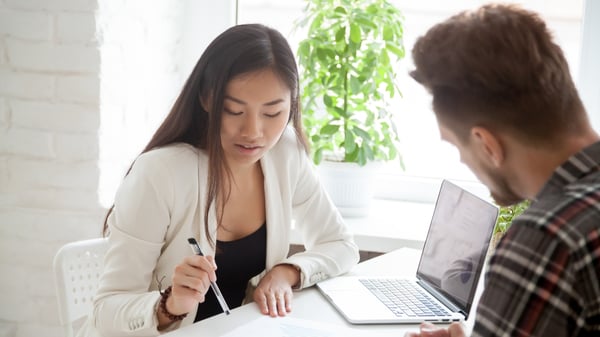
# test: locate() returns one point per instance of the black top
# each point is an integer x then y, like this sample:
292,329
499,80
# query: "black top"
237,261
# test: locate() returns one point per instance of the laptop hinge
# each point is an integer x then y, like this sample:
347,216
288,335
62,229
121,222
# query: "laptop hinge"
440,297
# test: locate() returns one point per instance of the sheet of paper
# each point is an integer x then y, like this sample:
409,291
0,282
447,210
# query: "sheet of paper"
266,326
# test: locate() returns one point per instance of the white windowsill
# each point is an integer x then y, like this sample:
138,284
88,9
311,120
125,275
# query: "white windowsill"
390,225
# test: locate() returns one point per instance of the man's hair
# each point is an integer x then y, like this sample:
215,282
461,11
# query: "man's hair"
497,67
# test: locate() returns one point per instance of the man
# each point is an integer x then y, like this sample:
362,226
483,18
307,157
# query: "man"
502,94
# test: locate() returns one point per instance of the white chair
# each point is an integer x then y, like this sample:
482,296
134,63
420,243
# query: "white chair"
77,269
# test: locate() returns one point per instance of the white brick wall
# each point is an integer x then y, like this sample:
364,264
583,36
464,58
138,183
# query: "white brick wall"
26,24
4,117
53,5
26,85
52,116
49,125
76,28
30,143
83,85
2,54
50,57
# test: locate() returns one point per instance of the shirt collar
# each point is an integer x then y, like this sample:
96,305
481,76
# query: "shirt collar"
575,168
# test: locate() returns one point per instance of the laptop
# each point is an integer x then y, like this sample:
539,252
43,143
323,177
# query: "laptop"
447,276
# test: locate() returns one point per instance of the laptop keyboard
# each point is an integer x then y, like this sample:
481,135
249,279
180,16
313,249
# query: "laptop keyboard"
404,298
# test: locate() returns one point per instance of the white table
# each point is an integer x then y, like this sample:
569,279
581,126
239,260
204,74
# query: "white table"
310,304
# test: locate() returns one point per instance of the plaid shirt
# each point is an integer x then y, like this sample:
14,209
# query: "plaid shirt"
544,277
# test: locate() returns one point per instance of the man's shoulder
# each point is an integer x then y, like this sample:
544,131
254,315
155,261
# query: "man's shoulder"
568,215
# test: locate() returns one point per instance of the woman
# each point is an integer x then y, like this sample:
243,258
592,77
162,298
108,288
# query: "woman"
228,167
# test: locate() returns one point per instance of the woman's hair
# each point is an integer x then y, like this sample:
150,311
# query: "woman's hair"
238,50
497,67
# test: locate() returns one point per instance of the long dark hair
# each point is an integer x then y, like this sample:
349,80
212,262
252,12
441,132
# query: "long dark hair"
238,50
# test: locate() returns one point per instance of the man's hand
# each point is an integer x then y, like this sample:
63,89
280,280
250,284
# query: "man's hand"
430,330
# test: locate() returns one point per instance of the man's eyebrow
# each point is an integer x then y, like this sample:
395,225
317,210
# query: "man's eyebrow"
273,102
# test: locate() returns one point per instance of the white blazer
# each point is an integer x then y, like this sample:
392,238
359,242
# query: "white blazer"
161,203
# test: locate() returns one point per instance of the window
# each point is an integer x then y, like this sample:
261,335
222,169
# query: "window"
426,157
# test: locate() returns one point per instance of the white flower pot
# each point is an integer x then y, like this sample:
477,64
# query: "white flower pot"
349,186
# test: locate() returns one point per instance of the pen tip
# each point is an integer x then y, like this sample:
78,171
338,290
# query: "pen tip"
192,241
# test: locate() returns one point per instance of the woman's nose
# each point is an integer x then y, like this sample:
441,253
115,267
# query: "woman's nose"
252,126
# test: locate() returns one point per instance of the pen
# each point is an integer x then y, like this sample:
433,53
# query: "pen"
213,285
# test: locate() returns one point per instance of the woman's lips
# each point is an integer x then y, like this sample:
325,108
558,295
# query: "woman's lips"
248,149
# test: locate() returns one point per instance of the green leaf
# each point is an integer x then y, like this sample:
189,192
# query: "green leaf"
328,101
372,9
366,22
362,133
385,58
318,156
338,113
361,159
340,10
355,84
388,33
349,143
368,153
340,35
508,213
351,156
329,129
393,152
394,48
355,34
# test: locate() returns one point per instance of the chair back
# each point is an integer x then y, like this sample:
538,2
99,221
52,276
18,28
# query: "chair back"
77,269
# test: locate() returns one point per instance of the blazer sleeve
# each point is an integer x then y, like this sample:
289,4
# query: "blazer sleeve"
124,304
330,248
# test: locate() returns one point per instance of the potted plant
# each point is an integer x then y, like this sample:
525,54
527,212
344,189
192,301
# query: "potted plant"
505,219
347,65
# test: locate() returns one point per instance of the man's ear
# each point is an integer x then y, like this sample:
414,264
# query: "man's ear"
488,144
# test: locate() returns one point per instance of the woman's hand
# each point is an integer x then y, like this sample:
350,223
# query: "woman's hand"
274,292
430,330
190,282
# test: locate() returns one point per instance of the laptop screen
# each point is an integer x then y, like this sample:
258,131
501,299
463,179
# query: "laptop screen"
457,243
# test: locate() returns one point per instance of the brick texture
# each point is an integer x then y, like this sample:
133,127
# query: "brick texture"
83,85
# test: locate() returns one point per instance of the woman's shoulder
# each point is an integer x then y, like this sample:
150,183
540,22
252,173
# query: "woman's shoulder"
175,151
173,156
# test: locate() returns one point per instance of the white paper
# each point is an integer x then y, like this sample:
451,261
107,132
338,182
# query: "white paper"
266,326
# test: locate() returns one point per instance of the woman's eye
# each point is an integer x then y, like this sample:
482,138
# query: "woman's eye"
273,115
231,112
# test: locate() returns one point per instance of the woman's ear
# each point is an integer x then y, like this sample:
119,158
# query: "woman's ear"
488,145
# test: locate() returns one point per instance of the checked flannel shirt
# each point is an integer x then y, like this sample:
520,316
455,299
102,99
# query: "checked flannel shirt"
544,277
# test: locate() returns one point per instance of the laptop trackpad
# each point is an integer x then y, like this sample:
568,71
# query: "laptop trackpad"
360,306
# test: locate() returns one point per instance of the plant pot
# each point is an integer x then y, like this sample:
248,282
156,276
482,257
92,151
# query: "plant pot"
349,186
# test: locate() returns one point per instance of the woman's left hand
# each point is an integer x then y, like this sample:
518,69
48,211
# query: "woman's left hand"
274,292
